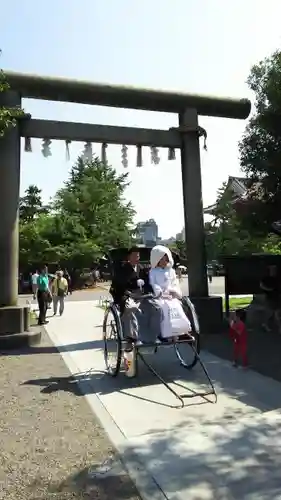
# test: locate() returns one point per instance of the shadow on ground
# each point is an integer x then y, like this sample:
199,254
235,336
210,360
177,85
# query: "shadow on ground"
85,486
237,459
79,346
247,387
233,462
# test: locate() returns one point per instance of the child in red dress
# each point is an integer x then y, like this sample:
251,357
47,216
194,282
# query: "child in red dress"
238,334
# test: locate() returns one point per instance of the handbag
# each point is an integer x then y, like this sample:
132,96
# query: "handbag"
60,292
175,321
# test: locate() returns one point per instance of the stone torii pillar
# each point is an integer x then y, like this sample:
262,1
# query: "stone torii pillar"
186,137
9,204
209,309
14,320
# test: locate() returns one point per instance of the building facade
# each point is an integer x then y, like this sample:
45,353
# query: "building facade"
238,186
181,236
147,232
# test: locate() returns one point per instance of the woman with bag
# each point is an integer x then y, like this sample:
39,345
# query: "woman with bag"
165,285
59,289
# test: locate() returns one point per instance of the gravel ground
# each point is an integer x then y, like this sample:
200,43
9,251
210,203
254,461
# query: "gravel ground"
50,440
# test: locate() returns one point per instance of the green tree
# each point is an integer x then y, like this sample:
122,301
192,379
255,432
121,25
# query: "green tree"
32,244
272,244
89,215
94,195
8,116
260,149
31,205
181,248
224,235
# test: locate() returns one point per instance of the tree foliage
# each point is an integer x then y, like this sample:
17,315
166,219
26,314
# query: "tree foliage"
31,205
179,247
244,224
8,116
272,244
260,148
87,217
95,193
225,235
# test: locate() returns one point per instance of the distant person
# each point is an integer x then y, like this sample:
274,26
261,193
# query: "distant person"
179,273
59,291
51,279
43,295
95,276
239,336
271,287
69,281
210,273
21,283
34,278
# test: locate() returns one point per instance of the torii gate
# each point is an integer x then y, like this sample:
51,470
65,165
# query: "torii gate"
185,137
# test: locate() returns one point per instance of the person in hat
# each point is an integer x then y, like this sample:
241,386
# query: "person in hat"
59,290
140,320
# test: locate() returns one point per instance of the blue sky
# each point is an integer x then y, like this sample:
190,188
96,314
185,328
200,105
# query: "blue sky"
200,46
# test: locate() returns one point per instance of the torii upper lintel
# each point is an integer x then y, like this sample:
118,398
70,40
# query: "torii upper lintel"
83,92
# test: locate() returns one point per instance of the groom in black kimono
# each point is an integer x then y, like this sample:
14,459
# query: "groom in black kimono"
142,322
128,277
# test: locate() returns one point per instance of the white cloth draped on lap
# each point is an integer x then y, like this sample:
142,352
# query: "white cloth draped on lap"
164,282
175,321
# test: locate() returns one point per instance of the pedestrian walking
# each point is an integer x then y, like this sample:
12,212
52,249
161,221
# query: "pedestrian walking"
69,282
43,295
95,276
210,273
59,290
34,279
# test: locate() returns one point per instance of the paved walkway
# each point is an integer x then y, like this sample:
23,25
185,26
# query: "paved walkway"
228,450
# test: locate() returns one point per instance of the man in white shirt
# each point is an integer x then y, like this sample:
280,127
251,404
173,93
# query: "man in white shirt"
34,279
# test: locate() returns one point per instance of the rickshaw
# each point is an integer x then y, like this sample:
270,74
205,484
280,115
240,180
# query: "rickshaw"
113,334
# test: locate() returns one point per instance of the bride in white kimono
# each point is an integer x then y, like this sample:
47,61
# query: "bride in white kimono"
165,285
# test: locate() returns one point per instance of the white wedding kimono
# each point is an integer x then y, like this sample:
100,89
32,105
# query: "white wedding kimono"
163,282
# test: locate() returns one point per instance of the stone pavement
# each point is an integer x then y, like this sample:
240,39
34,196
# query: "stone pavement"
228,450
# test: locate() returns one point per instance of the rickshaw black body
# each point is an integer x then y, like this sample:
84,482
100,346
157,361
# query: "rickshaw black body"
112,331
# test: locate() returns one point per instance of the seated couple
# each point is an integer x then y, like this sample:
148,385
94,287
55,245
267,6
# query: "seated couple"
159,316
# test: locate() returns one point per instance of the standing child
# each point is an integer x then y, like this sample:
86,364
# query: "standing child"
239,336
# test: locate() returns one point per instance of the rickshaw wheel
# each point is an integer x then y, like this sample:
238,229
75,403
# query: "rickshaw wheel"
194,349
112,331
